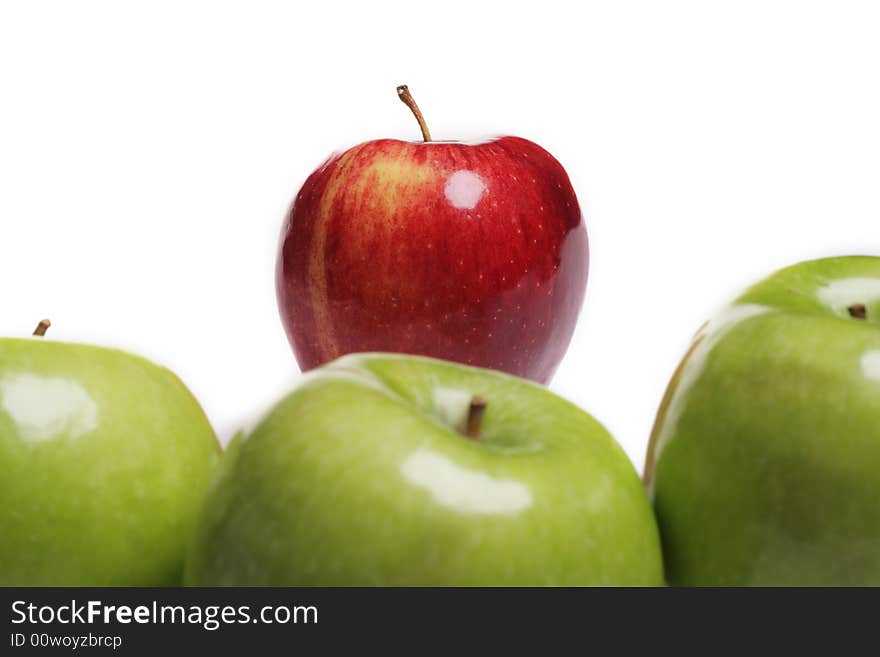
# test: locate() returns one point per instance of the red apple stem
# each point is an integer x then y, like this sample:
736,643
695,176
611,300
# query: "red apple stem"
42,327
858,311
474,420
405,96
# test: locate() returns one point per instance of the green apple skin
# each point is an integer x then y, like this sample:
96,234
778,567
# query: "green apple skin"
764,464
359,478
105,458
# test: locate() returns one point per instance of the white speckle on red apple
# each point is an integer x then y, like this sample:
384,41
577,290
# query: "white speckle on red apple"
464,189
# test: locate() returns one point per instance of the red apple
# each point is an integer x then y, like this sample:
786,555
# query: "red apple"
475,253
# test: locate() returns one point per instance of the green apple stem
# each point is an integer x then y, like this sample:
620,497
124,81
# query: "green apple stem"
42,327
405,96
475,417
858,311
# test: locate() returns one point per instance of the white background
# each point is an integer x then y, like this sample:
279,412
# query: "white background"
148,153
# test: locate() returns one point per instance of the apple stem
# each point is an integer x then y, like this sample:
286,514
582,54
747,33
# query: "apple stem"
42,327
405,96
858,311
475,417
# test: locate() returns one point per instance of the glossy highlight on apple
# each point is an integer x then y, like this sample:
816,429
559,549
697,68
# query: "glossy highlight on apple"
429,290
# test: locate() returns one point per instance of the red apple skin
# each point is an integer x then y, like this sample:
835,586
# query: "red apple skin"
471,253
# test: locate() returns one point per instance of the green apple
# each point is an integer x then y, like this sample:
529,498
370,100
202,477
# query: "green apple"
764,464
105,458
384,469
